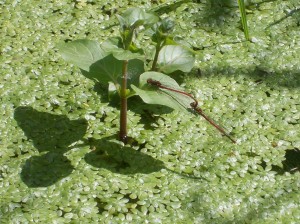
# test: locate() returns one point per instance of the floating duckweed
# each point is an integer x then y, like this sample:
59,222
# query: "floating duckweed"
251,88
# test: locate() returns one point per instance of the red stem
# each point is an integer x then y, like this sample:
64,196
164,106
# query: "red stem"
123,112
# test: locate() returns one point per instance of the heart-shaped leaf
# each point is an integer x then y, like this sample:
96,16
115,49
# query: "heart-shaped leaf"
105,70
109,69
82,53
174,57
153,94
99,62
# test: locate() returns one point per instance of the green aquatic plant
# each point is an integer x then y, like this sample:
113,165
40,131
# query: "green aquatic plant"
118,62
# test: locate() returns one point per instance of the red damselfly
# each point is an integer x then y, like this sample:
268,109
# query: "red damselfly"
159,85
194,105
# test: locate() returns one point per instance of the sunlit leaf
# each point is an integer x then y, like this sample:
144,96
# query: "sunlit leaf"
154,95
114,46
82,53
106,69
174,57
109,69
135,17
102,63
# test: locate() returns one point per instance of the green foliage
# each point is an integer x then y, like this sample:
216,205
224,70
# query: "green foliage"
134,17
114,64
82,53
103,63
114,46
152,95
97,63
253,88
173,58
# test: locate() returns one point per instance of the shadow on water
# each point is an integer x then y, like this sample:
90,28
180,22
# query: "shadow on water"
167,8
267,203
289,14
51,135
220,12
216,14
259,74
108,154
120,159
291,164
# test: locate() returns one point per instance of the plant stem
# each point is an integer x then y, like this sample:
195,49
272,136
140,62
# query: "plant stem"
158,47
244,19
123,112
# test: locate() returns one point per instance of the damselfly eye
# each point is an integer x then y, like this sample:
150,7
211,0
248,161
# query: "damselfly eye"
193,104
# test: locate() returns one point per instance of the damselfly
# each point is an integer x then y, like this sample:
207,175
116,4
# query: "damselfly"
194,105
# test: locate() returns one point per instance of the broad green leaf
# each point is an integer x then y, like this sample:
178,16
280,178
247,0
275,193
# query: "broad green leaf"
134,70
109,69
162,78
105,70
114,46
99,63
135,17
174,57
82,53
154,95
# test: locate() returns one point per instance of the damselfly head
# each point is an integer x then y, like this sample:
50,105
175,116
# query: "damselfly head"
149,81
153,82
194,104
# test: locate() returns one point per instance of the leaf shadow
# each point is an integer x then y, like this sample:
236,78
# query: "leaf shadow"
149,113
51,135
291,164
289,14
259,73
220,14
167,8
215,13
255,214
110,155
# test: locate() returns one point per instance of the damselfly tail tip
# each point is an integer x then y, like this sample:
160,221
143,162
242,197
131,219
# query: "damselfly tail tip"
231,139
